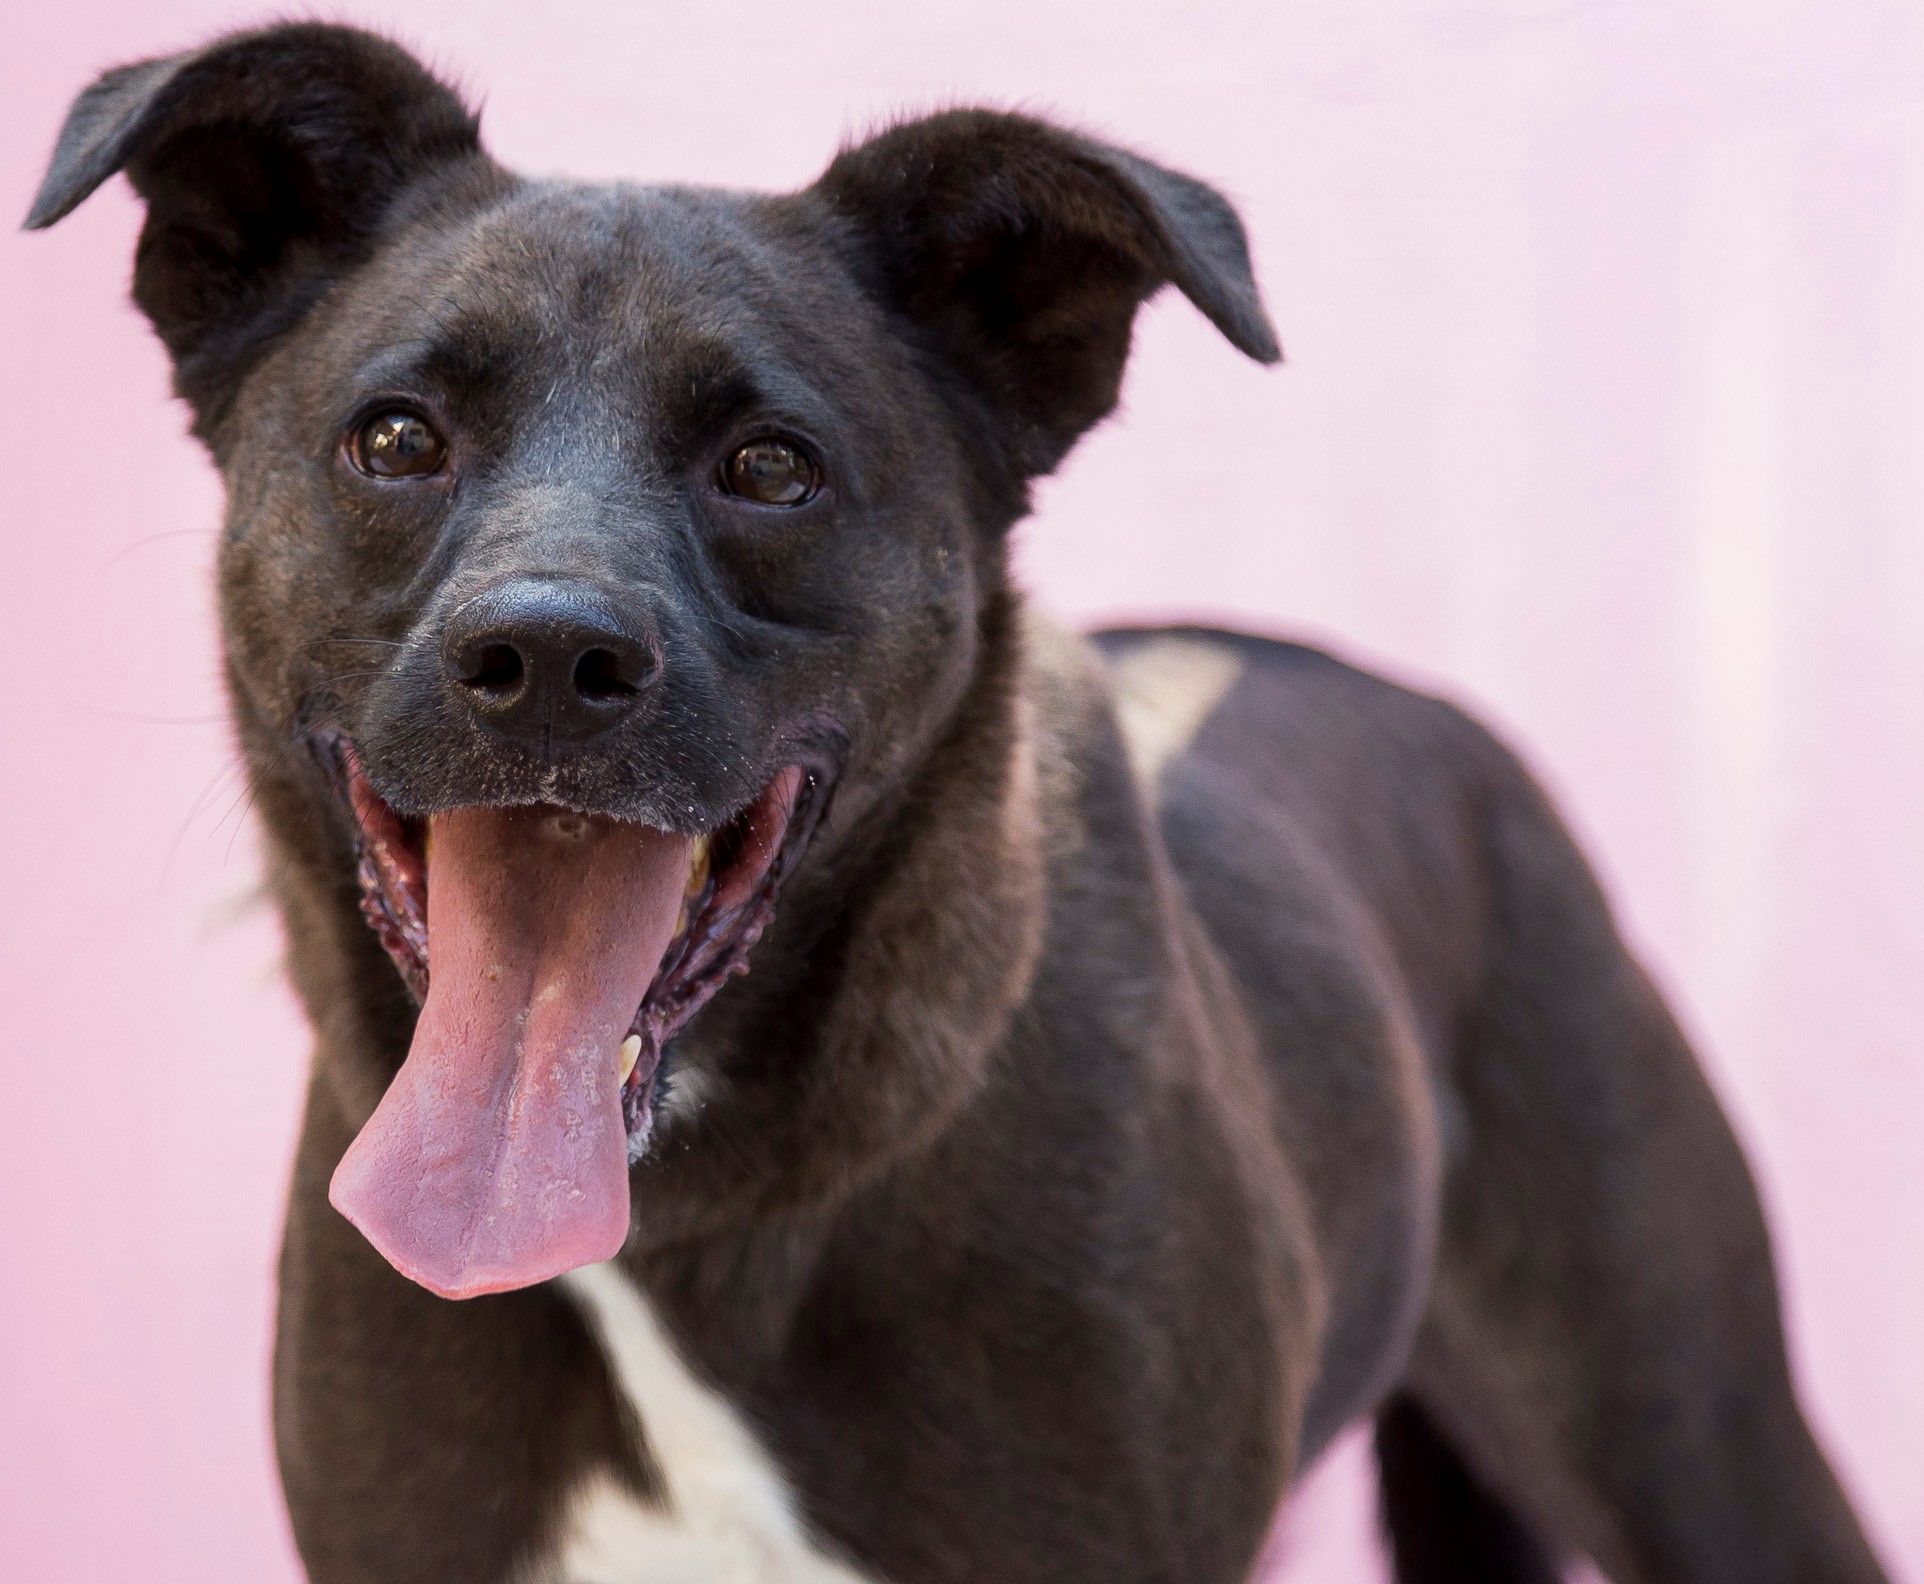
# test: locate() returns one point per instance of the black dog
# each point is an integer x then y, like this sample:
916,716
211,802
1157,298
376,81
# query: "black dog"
1165,1051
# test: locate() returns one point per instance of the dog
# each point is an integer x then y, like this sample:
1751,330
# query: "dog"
1162,1049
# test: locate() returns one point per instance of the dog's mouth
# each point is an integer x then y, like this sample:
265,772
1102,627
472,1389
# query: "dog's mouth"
554,954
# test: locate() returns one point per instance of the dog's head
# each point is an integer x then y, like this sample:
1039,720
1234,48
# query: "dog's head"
583,539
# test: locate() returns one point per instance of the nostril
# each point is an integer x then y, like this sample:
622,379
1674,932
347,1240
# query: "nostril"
497,670
601,677
549,661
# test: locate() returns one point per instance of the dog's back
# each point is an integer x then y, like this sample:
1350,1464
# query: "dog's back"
1490,1106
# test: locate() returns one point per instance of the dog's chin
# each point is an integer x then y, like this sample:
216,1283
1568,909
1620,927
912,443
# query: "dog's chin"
554,953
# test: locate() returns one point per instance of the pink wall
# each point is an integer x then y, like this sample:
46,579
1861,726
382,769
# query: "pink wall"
1605,411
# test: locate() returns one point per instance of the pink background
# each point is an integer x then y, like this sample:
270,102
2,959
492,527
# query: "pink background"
1604,412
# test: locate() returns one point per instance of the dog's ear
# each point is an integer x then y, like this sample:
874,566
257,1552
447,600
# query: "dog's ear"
1024,251
267,160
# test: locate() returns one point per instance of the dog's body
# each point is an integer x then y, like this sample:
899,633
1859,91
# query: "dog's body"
1167,1050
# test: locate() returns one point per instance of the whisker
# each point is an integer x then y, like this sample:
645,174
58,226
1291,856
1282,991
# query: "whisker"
139,719
155,538
210,790
247,807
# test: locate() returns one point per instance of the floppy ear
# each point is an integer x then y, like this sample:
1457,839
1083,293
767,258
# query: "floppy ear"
1025,250
267,161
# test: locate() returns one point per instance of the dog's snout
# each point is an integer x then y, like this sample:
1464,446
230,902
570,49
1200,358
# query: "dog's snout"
543,661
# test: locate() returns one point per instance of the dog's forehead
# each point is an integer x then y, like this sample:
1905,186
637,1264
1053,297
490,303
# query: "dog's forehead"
601,275
614,256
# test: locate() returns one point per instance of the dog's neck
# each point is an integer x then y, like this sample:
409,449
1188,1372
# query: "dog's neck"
875,1004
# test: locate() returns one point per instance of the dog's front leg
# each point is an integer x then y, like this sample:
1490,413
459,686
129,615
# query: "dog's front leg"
423,1439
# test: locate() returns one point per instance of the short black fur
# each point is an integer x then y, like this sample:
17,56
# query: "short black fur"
1445,1525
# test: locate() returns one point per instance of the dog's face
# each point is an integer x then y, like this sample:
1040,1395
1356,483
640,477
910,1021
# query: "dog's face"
586,539
641,485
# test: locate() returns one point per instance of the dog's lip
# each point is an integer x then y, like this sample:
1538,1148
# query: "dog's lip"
749,856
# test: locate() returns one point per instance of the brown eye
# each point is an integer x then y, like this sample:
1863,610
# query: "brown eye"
771,473
398,445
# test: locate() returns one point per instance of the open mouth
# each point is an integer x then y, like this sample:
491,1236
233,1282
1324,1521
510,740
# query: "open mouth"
555,954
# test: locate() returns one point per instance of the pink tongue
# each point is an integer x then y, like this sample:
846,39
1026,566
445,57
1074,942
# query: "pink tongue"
498,1157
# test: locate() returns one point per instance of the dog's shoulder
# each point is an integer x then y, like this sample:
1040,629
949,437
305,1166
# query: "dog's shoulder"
1341,734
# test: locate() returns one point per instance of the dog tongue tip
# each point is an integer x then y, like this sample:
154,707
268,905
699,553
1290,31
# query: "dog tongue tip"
462,1270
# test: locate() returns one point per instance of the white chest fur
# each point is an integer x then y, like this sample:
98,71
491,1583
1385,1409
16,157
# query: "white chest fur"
727,1516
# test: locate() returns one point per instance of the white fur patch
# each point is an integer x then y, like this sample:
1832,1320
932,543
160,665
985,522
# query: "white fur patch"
685,1096
728,1517
1165,689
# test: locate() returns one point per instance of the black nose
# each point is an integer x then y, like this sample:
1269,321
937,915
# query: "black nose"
546,662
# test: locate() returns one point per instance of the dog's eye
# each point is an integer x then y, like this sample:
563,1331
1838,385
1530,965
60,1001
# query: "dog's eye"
398,445
771,473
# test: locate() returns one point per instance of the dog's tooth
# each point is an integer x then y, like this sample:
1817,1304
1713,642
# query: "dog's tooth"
630,1054
697,865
